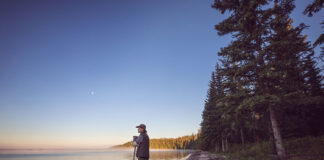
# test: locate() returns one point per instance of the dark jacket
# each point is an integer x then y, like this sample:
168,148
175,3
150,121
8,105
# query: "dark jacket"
143,150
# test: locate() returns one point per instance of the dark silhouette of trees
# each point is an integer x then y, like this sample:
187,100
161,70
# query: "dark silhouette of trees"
267,86
184,142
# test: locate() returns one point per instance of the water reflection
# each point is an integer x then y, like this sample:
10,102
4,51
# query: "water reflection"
95,155
165,154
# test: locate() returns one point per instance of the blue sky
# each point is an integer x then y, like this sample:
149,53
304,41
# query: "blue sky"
85,73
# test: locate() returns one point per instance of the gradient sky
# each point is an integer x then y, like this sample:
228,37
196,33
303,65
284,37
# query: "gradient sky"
85,73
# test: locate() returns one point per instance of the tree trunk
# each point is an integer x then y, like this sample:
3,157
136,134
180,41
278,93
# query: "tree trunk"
277,136
271,139
223,145
217,147
226,145
242,138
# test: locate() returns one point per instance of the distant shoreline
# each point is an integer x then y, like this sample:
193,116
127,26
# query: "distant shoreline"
183,142
54,151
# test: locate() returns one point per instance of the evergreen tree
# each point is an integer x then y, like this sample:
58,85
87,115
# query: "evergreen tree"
312,76
312,8
243,58
236,86
264,64
268,86
209,137
207,123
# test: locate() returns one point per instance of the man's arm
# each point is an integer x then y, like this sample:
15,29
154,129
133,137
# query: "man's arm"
138,140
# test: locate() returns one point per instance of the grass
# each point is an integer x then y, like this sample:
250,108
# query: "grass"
306,148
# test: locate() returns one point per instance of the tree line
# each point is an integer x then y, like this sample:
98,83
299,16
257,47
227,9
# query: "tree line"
267,85
184,142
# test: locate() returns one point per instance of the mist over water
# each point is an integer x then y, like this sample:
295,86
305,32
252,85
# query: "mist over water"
126,154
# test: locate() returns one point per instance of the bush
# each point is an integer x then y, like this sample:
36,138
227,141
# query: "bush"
306,148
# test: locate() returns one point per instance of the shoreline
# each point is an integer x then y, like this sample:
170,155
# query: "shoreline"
203,155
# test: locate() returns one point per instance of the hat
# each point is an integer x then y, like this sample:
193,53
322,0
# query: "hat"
141,126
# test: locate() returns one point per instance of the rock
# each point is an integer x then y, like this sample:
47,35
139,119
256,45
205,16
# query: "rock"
201,155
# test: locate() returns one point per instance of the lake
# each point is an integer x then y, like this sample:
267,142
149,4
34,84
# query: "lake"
89,154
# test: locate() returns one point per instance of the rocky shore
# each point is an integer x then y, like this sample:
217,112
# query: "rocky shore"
202,155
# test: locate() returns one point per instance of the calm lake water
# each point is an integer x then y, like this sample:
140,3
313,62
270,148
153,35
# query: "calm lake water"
90,155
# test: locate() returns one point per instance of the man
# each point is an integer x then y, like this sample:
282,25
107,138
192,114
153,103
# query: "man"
143,143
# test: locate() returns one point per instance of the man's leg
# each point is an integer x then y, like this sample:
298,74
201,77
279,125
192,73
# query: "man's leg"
139,158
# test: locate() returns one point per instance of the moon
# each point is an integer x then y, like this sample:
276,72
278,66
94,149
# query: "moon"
92,93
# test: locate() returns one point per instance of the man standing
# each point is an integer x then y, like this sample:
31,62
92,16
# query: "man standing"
143,143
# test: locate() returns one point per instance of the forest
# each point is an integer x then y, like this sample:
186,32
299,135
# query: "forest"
267,87
266,96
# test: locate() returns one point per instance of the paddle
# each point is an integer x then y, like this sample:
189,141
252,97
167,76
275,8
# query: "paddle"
134,153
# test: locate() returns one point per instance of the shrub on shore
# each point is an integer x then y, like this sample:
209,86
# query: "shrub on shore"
306,148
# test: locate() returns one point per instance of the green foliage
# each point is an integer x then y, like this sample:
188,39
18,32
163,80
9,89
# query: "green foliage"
306,148
268,65
211,124
184,142
255,151
312,8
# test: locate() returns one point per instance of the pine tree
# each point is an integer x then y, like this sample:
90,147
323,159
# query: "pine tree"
241,59
208,120
312,76
312,8
268,86
236,86
210,126
264,62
